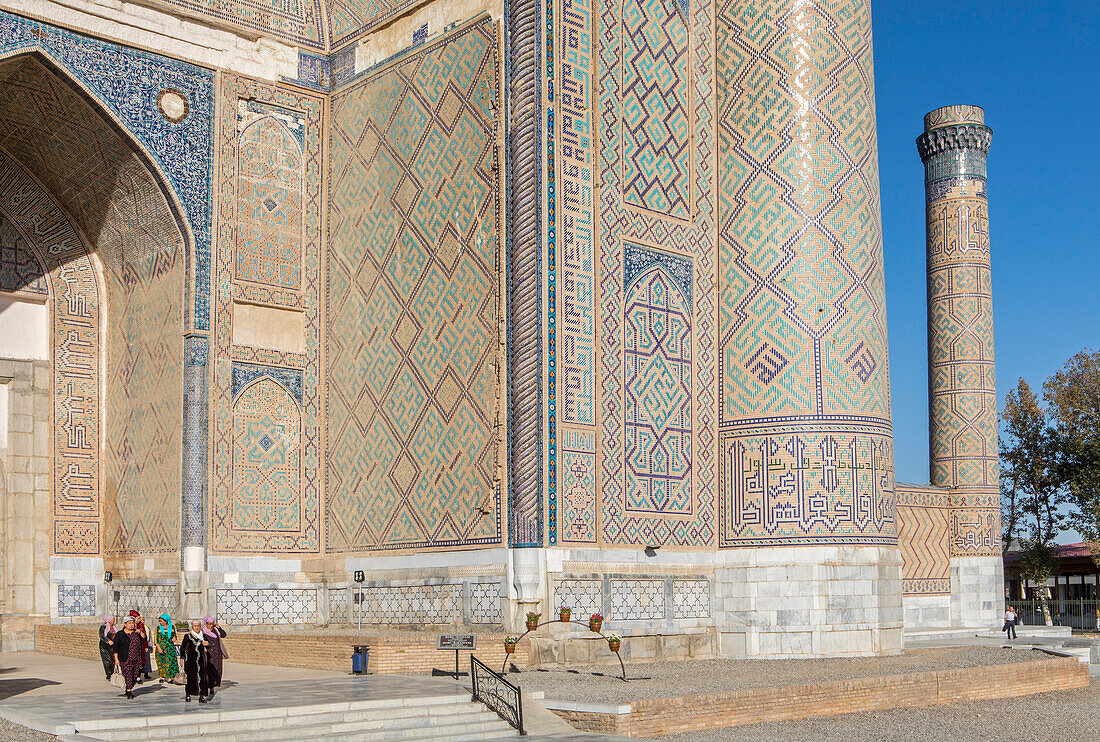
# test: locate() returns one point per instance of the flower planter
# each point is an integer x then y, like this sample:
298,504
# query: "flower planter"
532,625
595,625
509,648
613,645
564,615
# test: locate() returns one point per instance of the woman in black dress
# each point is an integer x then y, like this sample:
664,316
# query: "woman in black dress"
195,653
106,644
214,635
129,653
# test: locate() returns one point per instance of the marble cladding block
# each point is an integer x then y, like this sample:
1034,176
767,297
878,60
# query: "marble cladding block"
977,591
819,601
926,610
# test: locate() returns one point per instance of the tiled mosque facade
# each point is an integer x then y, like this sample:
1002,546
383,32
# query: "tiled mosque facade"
509,306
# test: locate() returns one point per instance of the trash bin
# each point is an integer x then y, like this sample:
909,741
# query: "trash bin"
359,659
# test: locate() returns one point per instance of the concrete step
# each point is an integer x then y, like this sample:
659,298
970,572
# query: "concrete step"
290,722
428,719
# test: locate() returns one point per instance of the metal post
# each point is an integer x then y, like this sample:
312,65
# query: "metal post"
360,601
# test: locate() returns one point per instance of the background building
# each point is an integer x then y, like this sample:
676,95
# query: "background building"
509,310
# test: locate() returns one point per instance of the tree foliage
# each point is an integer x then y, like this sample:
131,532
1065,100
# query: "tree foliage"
1073,396
1031,491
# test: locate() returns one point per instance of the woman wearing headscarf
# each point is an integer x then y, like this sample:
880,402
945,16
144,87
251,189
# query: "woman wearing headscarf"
143,632
129,653
168,666
214,635
106,650
194,650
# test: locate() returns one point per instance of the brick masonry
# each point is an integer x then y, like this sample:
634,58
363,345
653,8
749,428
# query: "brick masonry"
660,716
388,655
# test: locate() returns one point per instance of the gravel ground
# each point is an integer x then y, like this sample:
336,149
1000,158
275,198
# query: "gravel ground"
16,733
710,676
1060,715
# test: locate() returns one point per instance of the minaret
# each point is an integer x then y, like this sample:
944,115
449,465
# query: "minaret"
962,394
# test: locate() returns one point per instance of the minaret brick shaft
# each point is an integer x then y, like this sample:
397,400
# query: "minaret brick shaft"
962,393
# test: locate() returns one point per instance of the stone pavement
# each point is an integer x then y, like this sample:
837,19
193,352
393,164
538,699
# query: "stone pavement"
52,694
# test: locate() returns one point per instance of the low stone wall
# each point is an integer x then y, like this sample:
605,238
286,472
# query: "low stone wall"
660,716
388,655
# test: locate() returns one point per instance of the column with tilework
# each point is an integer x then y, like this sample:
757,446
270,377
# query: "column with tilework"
808,561
962,393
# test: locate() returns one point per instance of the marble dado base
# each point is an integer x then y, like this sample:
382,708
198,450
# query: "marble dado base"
977,591
802,602
922,611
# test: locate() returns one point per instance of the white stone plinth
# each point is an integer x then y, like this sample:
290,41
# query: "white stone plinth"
818,601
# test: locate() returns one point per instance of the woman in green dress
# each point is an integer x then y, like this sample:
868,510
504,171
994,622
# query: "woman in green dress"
168,666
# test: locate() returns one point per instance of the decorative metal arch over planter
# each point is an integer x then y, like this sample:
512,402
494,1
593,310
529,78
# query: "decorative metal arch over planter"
523,636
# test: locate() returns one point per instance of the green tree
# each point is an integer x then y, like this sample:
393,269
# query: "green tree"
1031,492
1073,396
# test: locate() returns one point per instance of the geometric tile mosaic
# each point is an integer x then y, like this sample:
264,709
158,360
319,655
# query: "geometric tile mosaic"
267,467
269,204
75,600
266,404
415,604
584,597
578,491
349,19
149,600
302,22
637,599
19,268
338,605
691,598
806,441
413,300
657,409
652,109
485,603
924,516
266,606
656,107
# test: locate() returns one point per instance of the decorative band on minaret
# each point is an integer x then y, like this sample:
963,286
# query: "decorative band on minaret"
962,393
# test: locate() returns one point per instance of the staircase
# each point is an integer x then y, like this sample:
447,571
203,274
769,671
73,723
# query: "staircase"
445,718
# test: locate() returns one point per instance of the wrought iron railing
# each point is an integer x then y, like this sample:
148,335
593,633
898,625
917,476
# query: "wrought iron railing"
1079,613
492,689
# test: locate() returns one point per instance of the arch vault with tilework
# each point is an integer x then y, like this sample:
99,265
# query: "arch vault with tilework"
508,306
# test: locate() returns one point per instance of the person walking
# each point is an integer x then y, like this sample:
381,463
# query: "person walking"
168,666
194,651
129,653
1010,622
106,644
146,646
214,635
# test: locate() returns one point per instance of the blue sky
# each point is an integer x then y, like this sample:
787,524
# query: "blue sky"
1035,69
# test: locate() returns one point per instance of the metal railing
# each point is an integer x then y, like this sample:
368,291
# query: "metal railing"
498,694
1079,613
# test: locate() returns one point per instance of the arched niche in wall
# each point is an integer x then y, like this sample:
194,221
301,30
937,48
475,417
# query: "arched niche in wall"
117,482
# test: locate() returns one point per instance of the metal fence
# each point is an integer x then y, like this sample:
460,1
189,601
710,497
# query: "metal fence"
497,693
1079,613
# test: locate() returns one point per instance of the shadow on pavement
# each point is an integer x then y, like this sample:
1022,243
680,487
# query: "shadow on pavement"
15,686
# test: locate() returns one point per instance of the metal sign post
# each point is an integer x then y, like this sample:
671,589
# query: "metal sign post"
359,577
457,642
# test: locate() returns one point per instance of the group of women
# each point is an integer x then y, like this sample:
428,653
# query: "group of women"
127,651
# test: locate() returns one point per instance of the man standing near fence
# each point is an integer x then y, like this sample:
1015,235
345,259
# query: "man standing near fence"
1010,622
